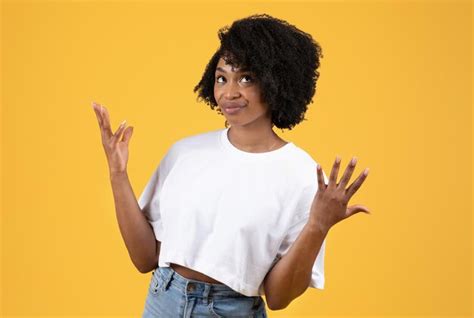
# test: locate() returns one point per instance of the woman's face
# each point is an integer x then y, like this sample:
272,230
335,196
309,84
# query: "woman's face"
238,95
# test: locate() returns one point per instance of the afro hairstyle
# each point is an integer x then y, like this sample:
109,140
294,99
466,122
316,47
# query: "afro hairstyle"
283,59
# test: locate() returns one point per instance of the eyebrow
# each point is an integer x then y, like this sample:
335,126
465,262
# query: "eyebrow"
239,71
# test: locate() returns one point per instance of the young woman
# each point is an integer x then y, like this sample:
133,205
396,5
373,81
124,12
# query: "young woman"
233,214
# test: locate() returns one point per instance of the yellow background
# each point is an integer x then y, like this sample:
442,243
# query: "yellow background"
395,91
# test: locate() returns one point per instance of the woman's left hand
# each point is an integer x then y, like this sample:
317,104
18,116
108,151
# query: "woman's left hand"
330,202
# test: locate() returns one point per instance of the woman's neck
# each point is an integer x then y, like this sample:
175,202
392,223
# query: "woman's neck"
259,139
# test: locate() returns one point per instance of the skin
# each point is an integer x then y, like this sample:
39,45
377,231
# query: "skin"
291,275
251,128
330,202
136,231
138,236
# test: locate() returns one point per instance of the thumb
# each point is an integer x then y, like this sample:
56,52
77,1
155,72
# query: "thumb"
353,209
127,134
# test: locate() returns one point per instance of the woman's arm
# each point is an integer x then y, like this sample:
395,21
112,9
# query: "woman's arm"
135,228
137,233
291,275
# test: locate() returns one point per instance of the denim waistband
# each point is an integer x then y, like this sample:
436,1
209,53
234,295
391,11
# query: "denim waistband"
195,287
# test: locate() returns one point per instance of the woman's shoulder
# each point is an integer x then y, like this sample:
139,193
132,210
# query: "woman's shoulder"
198,139
302,156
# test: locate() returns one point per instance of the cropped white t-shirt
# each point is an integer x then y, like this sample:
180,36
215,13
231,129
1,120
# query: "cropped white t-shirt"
230,214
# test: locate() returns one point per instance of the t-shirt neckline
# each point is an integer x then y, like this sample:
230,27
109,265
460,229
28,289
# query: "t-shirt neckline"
224,138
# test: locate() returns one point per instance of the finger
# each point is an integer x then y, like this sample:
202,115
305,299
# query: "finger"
97,113
100,120
361,208
353,209
118,134
334,172
127,134
321,184
106,122
347,173
356,184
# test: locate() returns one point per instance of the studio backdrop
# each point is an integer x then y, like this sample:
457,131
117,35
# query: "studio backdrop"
395,90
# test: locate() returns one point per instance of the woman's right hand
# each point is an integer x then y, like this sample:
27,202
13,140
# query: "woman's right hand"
115,145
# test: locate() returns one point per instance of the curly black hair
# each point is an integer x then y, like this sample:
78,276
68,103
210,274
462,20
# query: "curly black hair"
283,59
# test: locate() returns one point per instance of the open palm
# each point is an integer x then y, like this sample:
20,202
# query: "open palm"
115,144
330,202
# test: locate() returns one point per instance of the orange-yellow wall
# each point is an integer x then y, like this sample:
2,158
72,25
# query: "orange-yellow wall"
395,91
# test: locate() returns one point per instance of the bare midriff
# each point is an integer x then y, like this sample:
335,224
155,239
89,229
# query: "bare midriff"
192,274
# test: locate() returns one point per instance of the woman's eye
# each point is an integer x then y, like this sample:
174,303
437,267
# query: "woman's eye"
249,78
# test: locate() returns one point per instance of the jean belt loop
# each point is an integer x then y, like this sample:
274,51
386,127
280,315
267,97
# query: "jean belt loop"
168,277
206,292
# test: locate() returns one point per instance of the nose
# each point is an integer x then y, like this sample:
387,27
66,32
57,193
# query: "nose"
231,91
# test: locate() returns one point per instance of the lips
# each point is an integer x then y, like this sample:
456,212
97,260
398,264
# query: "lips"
233,110
231,105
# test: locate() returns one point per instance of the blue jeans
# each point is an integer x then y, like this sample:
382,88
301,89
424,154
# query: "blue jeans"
174,296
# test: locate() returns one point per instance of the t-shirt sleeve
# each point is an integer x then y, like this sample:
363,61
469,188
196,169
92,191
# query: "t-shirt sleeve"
148,201
293,231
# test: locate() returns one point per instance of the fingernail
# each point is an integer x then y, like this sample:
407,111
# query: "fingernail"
338,159
354,160
123,123
366,171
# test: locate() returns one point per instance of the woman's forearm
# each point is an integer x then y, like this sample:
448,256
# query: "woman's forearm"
291,275
137,233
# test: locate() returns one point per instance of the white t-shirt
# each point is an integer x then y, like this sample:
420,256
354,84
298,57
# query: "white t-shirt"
228,213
